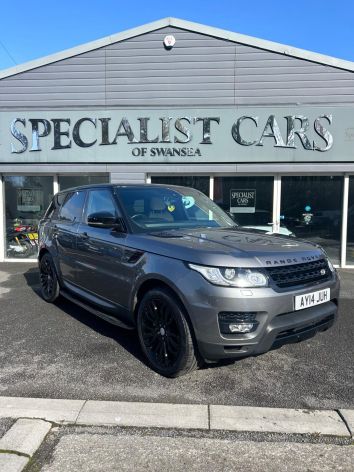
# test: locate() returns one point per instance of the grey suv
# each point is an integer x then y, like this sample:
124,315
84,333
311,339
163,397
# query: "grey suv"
168,261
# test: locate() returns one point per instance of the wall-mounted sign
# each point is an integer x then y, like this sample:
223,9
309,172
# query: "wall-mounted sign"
29,199
293,134
242,200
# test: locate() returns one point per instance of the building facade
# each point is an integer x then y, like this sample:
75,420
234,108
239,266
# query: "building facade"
265,130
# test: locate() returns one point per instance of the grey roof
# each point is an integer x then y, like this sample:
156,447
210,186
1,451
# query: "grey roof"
187,25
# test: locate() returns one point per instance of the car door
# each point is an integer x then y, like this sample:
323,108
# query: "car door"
65,229
101,266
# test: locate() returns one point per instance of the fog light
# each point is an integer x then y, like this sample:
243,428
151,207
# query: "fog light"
237,322
241,327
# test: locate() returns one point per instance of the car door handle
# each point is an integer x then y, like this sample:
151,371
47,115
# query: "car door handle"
84,235
55,231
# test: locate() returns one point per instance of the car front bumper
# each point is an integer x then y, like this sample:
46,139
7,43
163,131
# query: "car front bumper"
279,323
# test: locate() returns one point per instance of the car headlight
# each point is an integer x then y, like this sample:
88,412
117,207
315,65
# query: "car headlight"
232,277
330,265
329,262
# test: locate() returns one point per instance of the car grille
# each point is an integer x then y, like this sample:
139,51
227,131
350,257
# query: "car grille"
300,274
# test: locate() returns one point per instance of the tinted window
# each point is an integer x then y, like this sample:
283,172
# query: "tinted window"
60,198
54,207
72,209
101,200
50,210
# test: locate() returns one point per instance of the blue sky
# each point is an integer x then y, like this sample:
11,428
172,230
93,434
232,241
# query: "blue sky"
29,30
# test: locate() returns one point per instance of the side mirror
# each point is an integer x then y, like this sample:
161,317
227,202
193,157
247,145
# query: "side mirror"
105,219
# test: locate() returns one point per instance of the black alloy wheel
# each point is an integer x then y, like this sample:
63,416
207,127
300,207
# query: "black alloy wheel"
165,335
48,279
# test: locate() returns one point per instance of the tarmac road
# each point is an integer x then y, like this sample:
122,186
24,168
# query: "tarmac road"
62,351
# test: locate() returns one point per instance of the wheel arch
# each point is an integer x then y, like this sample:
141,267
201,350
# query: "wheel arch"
41,253
154,283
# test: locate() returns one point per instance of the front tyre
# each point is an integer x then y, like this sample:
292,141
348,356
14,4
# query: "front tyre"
48,279
165,335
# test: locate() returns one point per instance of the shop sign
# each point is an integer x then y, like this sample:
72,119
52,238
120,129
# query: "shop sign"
29,199
292,134
242,200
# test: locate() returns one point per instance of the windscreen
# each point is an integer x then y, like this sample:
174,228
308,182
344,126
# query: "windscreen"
153,208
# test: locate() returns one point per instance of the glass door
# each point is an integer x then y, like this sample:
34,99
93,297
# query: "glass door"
311,207
350,224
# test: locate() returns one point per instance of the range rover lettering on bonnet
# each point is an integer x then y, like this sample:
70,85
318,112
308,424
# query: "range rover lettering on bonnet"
294,260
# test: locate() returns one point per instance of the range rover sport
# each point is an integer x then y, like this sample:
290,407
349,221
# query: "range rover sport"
169,262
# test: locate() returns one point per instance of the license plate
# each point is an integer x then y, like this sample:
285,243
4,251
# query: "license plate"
312,299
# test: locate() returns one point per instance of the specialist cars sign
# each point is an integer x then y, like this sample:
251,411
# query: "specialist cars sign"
282,134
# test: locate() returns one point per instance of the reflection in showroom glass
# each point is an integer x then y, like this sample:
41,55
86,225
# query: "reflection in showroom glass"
26,200
311,207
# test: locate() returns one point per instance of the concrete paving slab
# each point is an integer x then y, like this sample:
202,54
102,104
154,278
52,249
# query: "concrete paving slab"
5,425
277,420
102,453
59,411
12,463
25,436
163,415
348,415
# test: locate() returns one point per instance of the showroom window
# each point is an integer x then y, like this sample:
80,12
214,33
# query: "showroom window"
69,181
200,183
26,200
350,230
249,200
311,207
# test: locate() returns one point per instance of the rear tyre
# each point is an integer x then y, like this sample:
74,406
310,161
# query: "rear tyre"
48,279
165,335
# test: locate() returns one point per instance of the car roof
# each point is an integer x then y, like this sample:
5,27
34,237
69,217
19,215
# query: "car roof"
110,185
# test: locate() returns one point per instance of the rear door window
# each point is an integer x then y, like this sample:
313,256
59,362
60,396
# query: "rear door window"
71,211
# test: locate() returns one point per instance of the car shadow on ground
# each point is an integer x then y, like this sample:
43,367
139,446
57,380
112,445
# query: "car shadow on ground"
128,339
